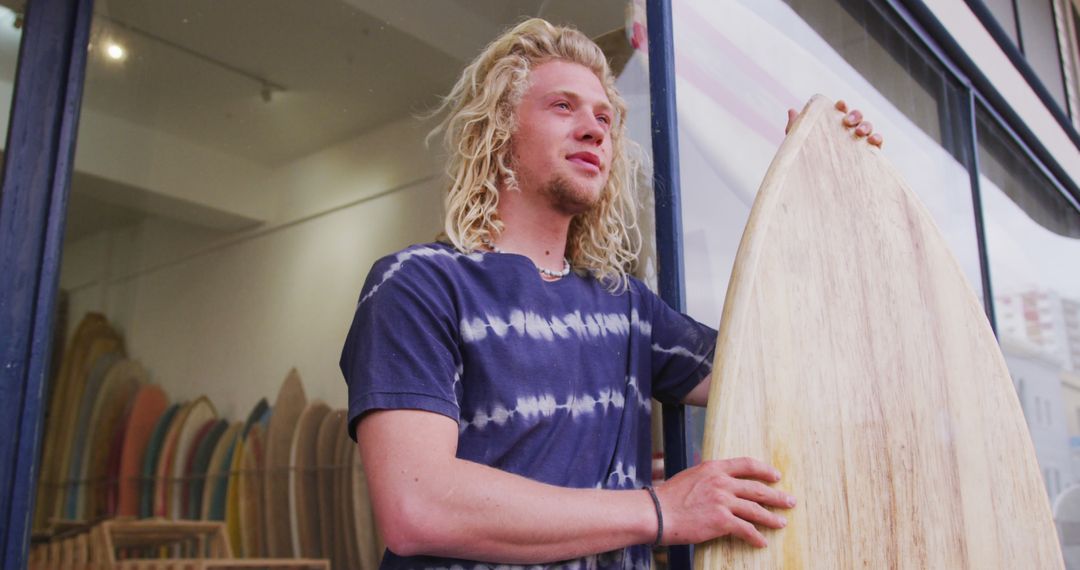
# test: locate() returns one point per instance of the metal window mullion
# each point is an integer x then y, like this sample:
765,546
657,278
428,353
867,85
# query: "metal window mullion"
33,196
665,145
974,171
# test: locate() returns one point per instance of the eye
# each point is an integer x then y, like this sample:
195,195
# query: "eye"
562,105
604,119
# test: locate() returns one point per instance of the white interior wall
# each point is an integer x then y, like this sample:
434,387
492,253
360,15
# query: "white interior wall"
227,314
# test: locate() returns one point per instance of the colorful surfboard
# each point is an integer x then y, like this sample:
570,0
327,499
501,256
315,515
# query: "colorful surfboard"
147,408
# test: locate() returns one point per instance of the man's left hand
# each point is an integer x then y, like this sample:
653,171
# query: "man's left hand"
852,120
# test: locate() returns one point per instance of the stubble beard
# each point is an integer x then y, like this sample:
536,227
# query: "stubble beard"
568,198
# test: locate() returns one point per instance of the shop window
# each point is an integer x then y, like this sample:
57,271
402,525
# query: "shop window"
1004,12
741,63
11,21
1036,30
239,168
1032,239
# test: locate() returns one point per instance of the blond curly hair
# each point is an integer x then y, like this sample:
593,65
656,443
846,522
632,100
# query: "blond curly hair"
477,131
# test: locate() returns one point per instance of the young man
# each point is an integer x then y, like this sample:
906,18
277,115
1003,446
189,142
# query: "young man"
499,383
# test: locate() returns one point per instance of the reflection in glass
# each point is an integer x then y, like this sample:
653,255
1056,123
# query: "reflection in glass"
10,37
741,63
1033,244
241,165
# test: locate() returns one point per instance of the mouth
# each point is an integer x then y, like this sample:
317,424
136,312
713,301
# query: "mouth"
586,160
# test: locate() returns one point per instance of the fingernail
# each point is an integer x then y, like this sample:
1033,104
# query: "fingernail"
783,521
790,501
776,473
850,117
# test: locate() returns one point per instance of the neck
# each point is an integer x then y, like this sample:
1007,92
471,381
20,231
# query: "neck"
534,230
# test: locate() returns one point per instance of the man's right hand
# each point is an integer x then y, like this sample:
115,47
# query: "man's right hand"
722,498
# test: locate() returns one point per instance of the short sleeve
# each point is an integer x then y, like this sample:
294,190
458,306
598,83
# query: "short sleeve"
682,350
401,351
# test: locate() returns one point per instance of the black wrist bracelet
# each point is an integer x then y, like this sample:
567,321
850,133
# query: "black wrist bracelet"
659,516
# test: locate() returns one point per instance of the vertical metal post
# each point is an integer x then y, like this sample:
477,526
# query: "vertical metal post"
971,132
665,144
33,199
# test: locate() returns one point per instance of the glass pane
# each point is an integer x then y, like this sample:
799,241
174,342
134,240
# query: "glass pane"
742,63
10,37
1005,13
1039,37
1033,244
240,166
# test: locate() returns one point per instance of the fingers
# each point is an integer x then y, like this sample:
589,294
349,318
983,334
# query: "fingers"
854,119
764,494
749,468
754,513
746,531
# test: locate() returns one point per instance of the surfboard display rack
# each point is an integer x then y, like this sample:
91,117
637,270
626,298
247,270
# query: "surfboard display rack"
154,544
278,483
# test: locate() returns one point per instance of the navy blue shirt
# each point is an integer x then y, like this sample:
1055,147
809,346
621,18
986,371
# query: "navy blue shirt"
548,380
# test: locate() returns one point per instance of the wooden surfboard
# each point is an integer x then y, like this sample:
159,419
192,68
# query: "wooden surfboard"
326,449
855,358
217,474
78,440
233,524
290,402
345,529
250,494
366,539
92,339
303,481
147,408
202,412
150,460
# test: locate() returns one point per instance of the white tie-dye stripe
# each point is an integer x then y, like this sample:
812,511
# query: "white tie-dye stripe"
623,475
408,254
531,408
679,351
529,324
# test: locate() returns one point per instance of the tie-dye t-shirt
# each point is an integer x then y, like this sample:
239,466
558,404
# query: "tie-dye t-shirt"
549,380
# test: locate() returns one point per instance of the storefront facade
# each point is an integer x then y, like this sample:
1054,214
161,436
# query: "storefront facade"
217,179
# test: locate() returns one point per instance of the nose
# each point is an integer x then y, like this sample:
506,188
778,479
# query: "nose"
591,130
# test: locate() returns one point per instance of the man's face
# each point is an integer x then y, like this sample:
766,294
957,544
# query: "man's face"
562,146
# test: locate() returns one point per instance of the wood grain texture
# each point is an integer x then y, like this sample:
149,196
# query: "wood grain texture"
855,358
290,402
